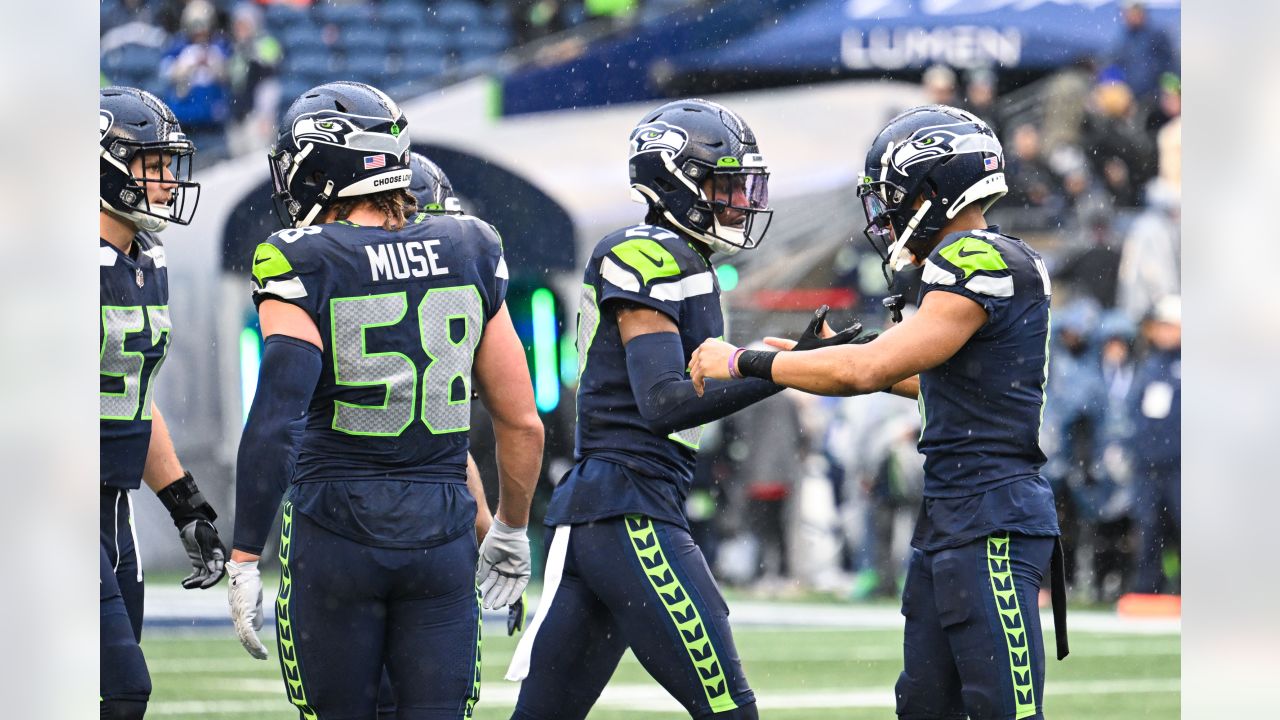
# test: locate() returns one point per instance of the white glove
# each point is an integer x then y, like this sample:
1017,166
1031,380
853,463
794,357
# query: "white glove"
503,570
244,595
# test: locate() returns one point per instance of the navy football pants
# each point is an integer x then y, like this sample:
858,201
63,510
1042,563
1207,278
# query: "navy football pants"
123,671
972,646
346,609
628,582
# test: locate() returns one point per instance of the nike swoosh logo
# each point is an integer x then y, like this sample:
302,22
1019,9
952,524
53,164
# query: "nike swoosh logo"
963,253
259,261
657,262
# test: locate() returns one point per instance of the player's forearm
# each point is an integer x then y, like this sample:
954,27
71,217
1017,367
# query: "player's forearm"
519,444
667,400
264,463
843,370
484,518
909,388
162,467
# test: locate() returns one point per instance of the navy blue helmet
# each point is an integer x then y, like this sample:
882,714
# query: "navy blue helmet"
133,122
945,158
679,147
337,140
431,187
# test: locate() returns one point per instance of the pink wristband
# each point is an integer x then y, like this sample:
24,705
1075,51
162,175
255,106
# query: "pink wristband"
733,364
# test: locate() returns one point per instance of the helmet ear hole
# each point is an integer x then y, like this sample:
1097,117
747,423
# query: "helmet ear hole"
664,185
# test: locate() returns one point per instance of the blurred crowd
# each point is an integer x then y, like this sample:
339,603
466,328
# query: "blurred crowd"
824,495
227,67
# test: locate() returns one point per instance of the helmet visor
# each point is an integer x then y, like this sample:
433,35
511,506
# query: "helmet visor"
879,230
162,173
741,191
740,201
281,164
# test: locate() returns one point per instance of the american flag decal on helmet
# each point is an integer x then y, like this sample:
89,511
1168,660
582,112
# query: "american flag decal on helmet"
990,163
373,162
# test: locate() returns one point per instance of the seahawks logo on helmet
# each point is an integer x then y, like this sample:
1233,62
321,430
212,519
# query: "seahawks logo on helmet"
937,141
657,137
327,129
105,121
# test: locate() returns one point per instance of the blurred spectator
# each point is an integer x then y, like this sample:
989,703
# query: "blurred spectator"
1075,408
1093,271
1151,259
195,69
939,82
130,23
1106,504
768,448
1155,403
618,11
1142,53
894,489
125,12
980,98
1086,217
874,440
535,19
1031,182
255,90
1121,152
1169,134
1066,94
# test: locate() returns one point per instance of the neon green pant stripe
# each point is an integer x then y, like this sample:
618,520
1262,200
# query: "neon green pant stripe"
474,697
684,614
1015,630
284,623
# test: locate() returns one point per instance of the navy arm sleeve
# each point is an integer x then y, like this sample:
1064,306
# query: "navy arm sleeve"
665,395
264,464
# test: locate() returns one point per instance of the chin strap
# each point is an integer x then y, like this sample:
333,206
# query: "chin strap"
894,304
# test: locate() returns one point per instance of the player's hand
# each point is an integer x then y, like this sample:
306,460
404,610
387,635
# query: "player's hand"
819,334
207,554
244,595
194,516
503,570
710,362
516,615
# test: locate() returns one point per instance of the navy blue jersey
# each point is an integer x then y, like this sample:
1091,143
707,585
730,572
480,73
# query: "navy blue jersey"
656,268
134,337
383,455
981,408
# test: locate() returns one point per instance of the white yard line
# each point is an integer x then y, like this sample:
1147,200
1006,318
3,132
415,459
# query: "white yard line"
650,698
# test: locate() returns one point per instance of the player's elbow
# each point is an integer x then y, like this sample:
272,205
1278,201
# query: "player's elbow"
859,379
655,411
524,428
659,425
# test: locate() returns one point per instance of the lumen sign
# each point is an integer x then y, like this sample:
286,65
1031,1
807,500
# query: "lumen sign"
960,46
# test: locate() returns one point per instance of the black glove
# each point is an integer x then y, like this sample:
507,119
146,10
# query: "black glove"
516,613
194,516
811,338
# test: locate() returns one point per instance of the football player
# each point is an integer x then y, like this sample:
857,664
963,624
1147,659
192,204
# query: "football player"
622,569
975,355
431,188
145,184
433,193
375,328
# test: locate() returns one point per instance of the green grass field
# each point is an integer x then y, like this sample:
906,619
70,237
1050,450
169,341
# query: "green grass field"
808,673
